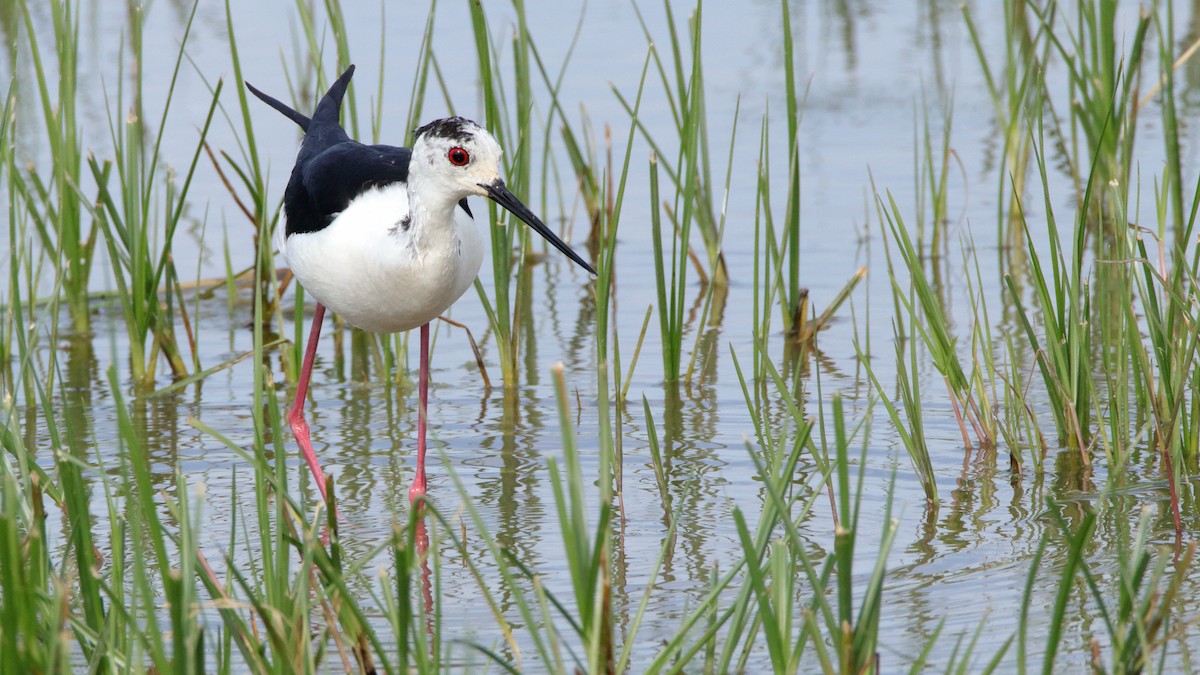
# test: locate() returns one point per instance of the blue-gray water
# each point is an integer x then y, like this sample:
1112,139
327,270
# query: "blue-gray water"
875,71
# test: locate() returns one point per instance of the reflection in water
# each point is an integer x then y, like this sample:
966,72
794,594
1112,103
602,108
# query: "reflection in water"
421,538
693,473
524,326
157,421
511,490
1191,67
575,347
82,373
353,436
982,541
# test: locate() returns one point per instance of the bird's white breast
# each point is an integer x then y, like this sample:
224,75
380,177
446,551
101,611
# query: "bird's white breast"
380,270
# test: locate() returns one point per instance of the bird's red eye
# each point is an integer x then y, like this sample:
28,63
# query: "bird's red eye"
458,156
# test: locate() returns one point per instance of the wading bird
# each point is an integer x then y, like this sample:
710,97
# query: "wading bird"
383,235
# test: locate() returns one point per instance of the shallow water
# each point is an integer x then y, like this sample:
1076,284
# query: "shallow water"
873,67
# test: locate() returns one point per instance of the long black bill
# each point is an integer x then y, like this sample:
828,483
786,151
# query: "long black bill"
500,194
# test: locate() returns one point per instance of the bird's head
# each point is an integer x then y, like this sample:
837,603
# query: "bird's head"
458,155
460,158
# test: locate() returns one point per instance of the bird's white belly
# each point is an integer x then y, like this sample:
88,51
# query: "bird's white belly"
378,274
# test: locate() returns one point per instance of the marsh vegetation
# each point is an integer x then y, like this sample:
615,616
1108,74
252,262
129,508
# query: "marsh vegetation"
890,363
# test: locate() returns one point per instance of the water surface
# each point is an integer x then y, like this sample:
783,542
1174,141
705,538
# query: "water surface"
875,71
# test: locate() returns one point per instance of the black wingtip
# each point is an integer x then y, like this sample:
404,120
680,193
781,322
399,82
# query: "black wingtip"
281,107
328,110
330,107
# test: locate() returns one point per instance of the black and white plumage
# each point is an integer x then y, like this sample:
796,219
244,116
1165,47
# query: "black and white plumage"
383,235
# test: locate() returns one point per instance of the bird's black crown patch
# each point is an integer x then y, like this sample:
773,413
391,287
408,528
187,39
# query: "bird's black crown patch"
454,128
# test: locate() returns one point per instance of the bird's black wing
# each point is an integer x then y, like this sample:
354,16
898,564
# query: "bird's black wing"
346,170
323,186
328,109
282,107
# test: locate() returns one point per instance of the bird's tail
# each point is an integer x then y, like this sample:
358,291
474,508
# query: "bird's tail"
328,109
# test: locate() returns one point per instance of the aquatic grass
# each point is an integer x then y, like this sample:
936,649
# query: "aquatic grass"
57,212
1178,219
848,643
567,503
672,293
1139,620
1104,68
588,556
34,596
691,171
143,269
855,635
95,620
149,535
800,594
582,156
1116,325
512,125
768,264
1015,89
1162,276
695,194
1064,303
545,636
852,634
102,621
425,61
700,631
772,259
795,307
499,308
604,237
931,172
416,626
660,473
310,67
292,561
1167,368
20,247
776,455
715,294
927,315
23,337
1018,426
671,300
911,427
31,594
984,352
772,580
252,179
578,146
605,224
283,594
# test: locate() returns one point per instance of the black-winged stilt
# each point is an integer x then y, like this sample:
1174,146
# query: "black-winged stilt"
383,236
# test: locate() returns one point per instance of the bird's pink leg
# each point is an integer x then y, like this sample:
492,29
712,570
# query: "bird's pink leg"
295,416
418,487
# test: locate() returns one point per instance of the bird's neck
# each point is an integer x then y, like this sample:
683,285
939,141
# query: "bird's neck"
431,210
